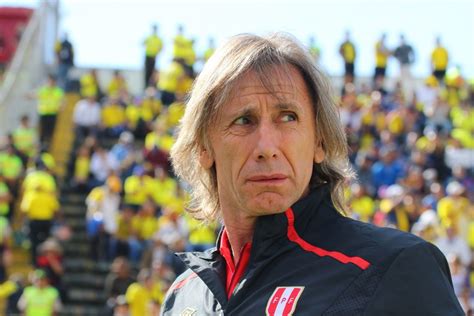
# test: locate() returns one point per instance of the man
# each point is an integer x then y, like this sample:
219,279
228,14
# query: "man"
439,60
405,55
381,58
50,99
65,59
262,147
153,46
40,298
348,52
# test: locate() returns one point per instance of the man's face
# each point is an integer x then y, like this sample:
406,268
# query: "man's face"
264,147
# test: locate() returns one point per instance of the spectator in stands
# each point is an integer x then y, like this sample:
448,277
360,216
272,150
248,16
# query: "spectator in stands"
153,46
113,118
125,153
40,298
39,177
11,168
461,281
5,198
388,169
158,144
25,138
382,53
65,59
138,188
405,55
41,207
117,281
144,224
439,60
90,85
165,187
81,168
103,205
86,118
347,51
141,296
171,237
5,247
453,243
50,100
11,290
50,260
103,164
120,240
169,80
117,85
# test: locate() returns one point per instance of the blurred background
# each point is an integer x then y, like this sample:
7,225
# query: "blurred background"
91,93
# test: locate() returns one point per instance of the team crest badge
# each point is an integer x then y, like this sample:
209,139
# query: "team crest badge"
188,311
283,300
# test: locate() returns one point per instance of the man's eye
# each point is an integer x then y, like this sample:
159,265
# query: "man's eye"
243,120
289,117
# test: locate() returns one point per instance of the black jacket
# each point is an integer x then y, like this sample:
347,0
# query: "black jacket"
341,266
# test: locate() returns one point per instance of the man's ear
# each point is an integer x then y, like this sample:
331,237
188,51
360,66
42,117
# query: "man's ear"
319,152
205,159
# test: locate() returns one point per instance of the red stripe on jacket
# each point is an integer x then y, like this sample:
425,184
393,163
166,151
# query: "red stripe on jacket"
294,237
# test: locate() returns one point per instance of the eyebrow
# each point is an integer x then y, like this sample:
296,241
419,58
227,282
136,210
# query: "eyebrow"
282,106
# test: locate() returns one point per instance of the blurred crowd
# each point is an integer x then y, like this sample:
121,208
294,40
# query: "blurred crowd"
411,147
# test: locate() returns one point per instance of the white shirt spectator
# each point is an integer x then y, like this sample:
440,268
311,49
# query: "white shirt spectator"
103,164
87,113
455,245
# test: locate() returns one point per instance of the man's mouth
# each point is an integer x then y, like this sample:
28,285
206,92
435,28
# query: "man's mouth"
268,178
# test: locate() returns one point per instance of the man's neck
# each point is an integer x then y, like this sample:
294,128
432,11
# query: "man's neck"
239,231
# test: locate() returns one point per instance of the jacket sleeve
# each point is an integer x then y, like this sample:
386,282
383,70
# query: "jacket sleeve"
418,282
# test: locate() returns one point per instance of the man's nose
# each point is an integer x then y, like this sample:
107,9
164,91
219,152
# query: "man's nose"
267,142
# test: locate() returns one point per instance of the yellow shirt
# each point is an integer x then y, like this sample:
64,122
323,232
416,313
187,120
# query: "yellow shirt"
89,86
140,300
113,115
81,168
164,191
24,140
145,226
381,57
137,190
116,86
11,167
164,142
133,113
439,58
124,229
348,52
169,79
175,113
153,46
180,46
39,205
199,233
153,105
364,207
49,100
41,179
4,206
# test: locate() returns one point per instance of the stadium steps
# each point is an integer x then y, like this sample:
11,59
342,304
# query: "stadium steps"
84,278
63,138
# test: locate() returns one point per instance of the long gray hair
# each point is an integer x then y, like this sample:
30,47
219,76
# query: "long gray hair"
213,88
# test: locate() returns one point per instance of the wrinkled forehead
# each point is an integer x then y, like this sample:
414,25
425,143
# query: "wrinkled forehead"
280,81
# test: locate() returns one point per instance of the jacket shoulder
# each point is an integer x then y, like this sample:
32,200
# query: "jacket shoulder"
376,244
